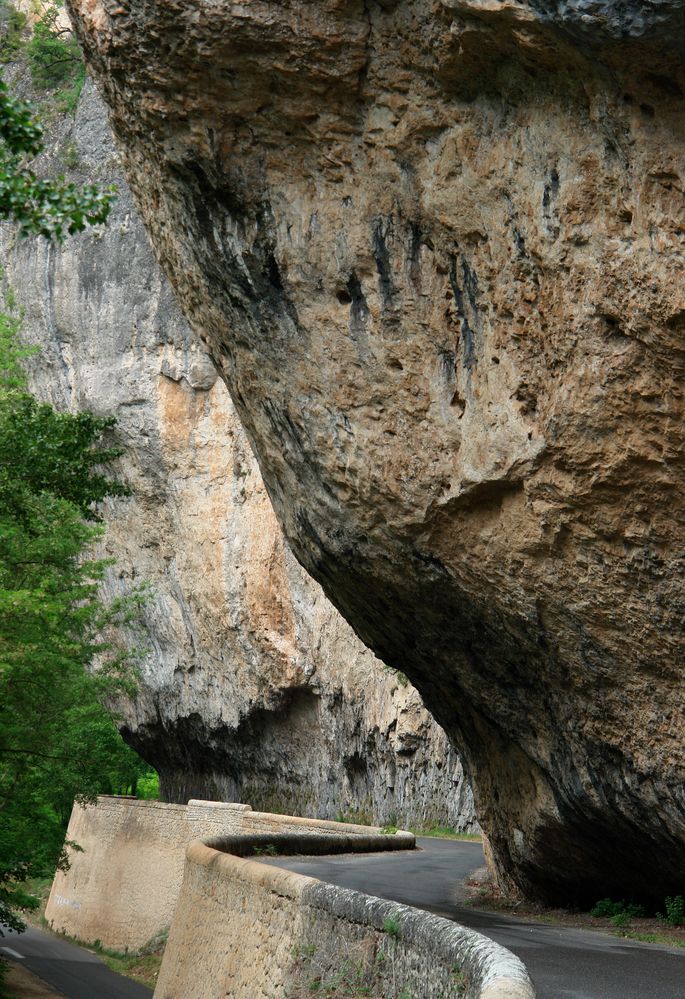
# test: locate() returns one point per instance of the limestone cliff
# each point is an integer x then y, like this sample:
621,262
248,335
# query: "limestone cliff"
254,688
436,250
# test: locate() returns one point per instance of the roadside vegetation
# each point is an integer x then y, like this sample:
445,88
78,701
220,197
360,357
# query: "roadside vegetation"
356,816
65,650
58,741
621,918
364,817
142,965
445,832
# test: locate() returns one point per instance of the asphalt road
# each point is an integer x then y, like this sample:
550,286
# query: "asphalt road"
73,971
563,963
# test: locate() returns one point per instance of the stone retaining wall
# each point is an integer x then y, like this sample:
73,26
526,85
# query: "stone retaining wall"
122,888
246,930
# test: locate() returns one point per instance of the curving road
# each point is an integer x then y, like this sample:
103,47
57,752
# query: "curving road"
73,971
563,963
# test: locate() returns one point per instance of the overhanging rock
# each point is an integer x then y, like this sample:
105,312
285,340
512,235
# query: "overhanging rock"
436,251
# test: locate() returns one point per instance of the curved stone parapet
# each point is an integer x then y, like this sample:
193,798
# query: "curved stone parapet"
122,884
251,931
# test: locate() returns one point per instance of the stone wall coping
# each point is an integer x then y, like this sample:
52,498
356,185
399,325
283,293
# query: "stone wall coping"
130,802
329,825
234,805
196,806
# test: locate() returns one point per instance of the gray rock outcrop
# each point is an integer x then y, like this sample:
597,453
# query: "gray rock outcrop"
253,686
436,252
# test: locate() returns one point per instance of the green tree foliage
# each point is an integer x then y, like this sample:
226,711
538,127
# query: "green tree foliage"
48,207
53,52
57,741
44,206
12,27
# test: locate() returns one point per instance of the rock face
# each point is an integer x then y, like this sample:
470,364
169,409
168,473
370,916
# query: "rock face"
254,688
436,251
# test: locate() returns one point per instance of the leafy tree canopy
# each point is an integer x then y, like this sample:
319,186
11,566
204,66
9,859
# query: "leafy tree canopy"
54,55
57,741
48,207
52,206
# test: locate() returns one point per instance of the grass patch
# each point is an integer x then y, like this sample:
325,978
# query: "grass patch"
143,969
654,938
358,817
619,914
141,966
67,97
39,888
445,832
391,926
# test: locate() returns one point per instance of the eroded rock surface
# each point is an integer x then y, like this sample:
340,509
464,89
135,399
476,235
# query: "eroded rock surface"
436,251
254,688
